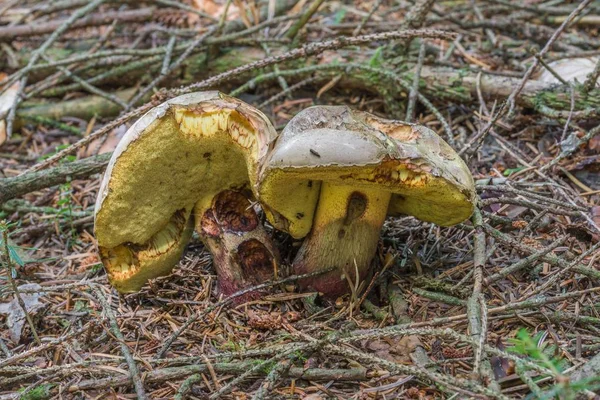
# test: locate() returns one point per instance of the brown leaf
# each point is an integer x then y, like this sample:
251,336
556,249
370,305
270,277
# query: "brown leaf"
7,99
594,143
105,144
596,219
393,349
264,320
313,396
213,9
15,319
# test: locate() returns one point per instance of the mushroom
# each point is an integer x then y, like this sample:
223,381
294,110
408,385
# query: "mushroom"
336,173
191,161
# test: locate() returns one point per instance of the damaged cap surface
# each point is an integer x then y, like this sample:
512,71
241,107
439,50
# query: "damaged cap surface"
179,154
341,146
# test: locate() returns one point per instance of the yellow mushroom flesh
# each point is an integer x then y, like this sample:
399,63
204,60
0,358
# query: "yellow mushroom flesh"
178,157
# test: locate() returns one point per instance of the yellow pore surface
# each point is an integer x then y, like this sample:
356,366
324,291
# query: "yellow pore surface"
183,157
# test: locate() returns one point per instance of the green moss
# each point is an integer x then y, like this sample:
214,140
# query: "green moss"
560,99
38,393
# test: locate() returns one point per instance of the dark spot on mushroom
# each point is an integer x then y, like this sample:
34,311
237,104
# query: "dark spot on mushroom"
314,153
310,183
256,260
299,215
205,155
209,224
233,212
341,233
357,204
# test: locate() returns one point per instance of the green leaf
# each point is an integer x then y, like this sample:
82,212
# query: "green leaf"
510,171
376,60
14,252
14,255
339,16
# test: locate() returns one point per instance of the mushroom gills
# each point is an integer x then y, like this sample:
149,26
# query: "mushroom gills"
345,234
130,265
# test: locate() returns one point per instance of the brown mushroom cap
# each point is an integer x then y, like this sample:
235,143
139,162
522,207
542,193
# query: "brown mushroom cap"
342,146
178,155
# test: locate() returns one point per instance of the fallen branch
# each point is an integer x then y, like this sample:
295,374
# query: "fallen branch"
194,317
174,373
8,33
22,184
549,258
134,373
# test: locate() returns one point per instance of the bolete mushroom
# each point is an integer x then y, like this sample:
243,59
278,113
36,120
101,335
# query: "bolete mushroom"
336,173
192,160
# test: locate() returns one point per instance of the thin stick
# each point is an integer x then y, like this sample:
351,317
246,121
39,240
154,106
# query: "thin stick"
414,90
40,50
304,51
476,307
519,265
91,137
46,346
549,258
366,19
553,38
186,386
403,330
592,78
528,204
473,309
194,317
453,383
293,31
561,272
550,69
183,6
530,194
89,87
567,152
312,49
114,327
167,69
283,93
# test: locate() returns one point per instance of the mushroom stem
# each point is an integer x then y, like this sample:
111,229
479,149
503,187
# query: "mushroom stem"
243,252
344,235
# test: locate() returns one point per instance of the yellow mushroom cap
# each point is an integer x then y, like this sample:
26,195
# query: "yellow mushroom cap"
339,145
180,153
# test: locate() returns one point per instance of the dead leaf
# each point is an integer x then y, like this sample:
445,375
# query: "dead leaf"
594,143
3,135
7,99
570,69
264,320
596,219
313,396
107,143
16,317
393,349
213,9
571,143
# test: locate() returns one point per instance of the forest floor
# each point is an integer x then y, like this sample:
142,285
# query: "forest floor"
505,305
